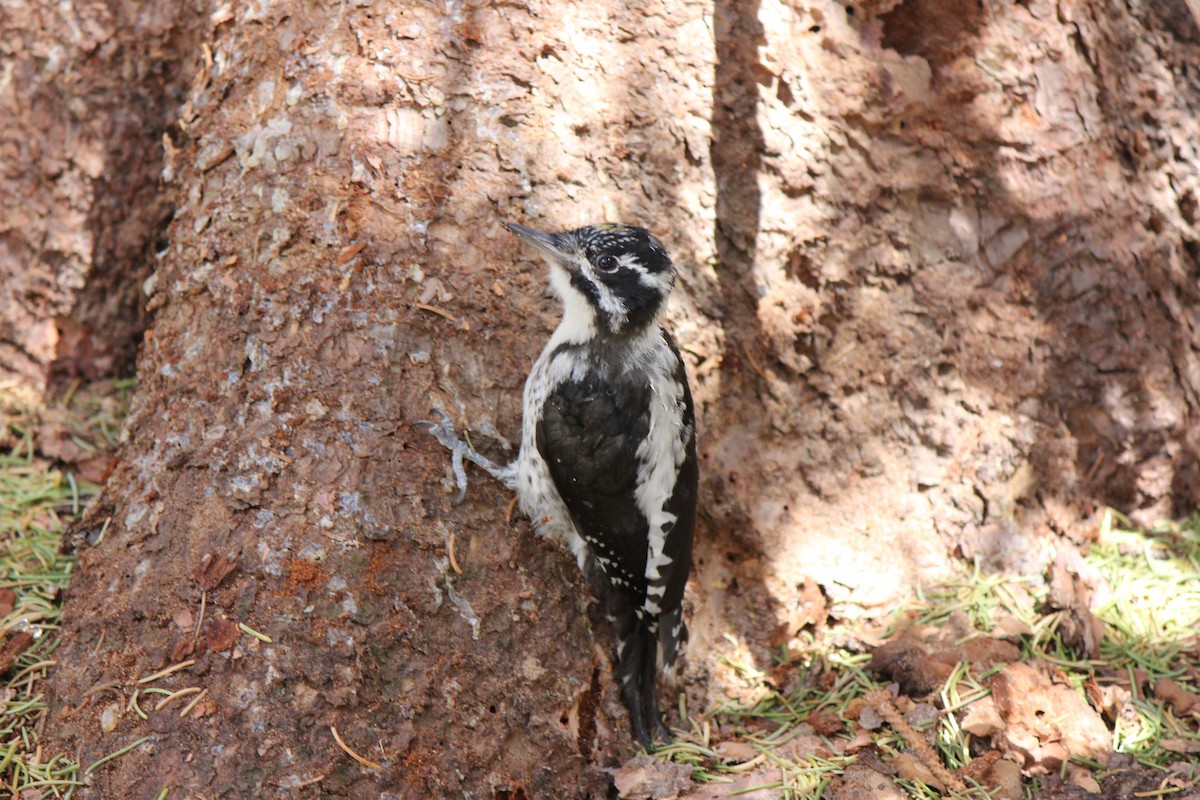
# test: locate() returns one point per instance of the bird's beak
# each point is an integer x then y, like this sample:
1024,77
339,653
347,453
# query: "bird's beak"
548,244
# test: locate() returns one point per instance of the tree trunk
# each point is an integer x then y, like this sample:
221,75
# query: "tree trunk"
937,296
336,269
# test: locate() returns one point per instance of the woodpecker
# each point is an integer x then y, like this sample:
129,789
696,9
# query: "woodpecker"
607,463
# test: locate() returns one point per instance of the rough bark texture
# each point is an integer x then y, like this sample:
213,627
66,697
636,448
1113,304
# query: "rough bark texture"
341,175
86,94
937,295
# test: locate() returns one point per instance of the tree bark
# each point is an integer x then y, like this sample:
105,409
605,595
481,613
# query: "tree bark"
335,269
937,297
86,94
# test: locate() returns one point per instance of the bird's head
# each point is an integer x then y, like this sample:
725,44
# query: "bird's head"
613,279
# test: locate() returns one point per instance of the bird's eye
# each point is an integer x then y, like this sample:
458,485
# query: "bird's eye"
607,263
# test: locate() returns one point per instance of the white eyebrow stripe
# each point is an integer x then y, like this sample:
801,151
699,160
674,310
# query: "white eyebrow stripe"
630,261
661,282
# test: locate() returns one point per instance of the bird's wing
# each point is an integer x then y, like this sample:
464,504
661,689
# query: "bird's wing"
588,435
682,503
677,547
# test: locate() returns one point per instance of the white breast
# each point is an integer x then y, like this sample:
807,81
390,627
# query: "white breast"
537,495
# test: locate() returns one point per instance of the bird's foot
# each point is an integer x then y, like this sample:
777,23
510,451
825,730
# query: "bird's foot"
443,430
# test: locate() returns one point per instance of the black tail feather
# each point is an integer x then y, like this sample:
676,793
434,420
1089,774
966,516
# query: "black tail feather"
637,673
649,679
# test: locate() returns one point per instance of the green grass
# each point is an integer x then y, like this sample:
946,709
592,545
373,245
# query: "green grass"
36,501
1152,625
1148,602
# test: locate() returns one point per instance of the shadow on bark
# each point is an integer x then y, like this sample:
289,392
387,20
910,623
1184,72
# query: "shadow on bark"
1071,323
1117,382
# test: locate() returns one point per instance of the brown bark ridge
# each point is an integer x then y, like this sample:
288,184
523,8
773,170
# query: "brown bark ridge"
86,94
937,295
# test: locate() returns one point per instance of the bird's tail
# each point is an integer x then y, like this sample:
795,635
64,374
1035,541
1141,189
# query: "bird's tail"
643,646
672,638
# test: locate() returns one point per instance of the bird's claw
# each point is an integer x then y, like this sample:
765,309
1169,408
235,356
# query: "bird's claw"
443,430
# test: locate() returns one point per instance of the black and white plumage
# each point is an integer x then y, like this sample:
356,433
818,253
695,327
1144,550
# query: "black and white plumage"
608,447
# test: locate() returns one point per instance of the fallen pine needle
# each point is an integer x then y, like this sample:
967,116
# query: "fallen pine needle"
188,708
29,669
103,529
116,754
165,672
27,620
70,395
262,637
351,753
754,364
450,553
747,766
8,755
19,582
310,781
436,310
133,705
101,687
1163,789
175,695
